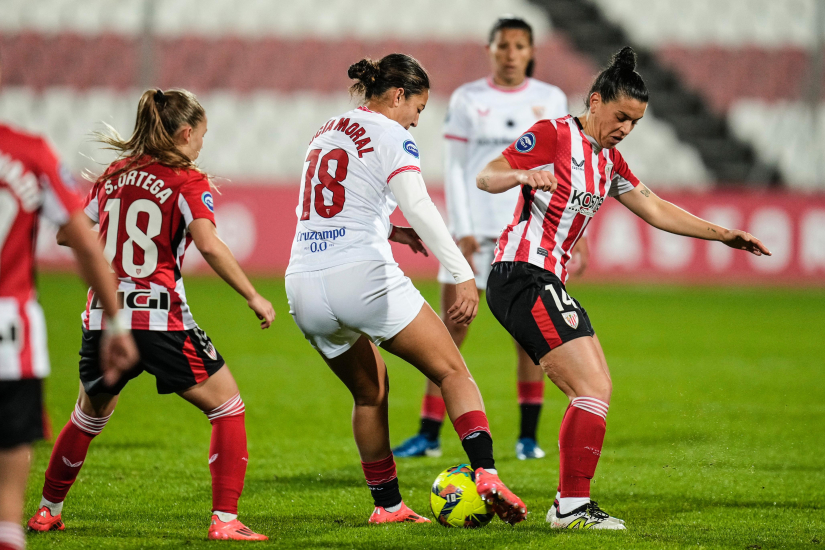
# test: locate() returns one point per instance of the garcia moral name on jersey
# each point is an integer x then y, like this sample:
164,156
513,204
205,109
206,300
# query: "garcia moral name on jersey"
140,179
354,131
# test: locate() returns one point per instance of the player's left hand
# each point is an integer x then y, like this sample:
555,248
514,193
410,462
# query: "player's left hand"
263,309
740,240
408,236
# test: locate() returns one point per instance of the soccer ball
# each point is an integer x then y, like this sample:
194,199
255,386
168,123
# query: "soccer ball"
454,499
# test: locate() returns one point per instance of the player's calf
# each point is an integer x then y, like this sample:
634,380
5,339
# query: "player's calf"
68,455
474,432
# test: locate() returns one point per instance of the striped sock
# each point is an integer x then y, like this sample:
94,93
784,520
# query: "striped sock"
580,445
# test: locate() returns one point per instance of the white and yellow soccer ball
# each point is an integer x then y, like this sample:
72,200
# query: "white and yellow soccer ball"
454,500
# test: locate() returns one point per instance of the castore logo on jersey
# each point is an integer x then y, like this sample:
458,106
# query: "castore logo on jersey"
409,147
526,143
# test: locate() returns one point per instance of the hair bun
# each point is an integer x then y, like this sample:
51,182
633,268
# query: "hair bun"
160,98
365,71
624,59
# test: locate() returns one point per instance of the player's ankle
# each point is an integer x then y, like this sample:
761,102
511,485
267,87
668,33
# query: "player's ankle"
55,508
225,516
568,504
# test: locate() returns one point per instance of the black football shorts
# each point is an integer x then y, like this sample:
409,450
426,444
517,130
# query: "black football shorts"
534,307
21,412
177,359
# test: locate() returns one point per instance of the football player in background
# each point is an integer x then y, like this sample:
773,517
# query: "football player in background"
151,204
484,116
348,295
33,184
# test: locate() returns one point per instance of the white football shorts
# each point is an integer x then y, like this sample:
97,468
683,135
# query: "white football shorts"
333,307
483,260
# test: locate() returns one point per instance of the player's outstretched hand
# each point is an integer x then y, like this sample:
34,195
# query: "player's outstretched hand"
118,354
541,180
465,308
263,309
740,240
468,246
408,236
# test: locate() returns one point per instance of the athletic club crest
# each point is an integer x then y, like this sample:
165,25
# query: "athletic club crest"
571,318
213,354
538,110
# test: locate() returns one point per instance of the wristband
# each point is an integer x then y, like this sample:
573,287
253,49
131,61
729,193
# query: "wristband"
114,326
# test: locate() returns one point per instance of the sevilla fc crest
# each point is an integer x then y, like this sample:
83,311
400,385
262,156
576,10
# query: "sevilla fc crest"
538,110
571,318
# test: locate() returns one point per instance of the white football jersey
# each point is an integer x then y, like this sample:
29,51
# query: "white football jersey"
488,119
345,201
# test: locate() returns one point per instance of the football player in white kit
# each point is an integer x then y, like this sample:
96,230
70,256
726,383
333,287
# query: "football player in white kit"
347,294
484,117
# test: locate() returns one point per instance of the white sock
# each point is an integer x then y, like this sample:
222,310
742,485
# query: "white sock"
567,505
224,517
11,533
393,509
492,471
54,507
558,496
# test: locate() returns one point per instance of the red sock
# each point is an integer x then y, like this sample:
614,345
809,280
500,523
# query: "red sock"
228,456
531,393
580,445
433,408
69,453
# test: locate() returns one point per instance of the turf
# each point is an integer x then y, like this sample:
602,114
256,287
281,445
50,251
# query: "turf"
716,433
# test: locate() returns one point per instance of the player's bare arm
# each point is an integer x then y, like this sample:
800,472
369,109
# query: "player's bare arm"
408,236
118,350
666,216
498,176
221,259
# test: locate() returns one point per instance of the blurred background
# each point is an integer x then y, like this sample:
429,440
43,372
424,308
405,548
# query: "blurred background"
735,131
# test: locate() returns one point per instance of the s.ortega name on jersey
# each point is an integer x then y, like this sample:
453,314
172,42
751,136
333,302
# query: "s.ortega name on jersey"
141,179
354,131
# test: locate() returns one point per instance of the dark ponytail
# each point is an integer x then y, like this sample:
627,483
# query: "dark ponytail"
513,22
620,79
396,70
159,116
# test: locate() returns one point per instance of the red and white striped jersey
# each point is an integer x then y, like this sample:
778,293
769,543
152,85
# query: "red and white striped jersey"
32,184
144,213
546,226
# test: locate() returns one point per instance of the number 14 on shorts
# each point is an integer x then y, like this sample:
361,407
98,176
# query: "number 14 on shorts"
570,317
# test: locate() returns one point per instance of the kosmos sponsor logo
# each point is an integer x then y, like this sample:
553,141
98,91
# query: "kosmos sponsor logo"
320,240
585,203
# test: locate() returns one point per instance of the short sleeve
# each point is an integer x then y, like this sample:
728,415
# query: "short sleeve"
91,206
195,199
535,148
458,125
398,153
623,179
61,196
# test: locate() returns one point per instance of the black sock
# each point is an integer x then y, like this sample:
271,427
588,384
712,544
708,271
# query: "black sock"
529,420
387,494
430,428
479,449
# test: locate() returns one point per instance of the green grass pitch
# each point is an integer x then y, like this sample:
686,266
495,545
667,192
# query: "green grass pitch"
716,433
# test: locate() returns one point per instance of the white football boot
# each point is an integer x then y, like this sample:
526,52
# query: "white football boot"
589,516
